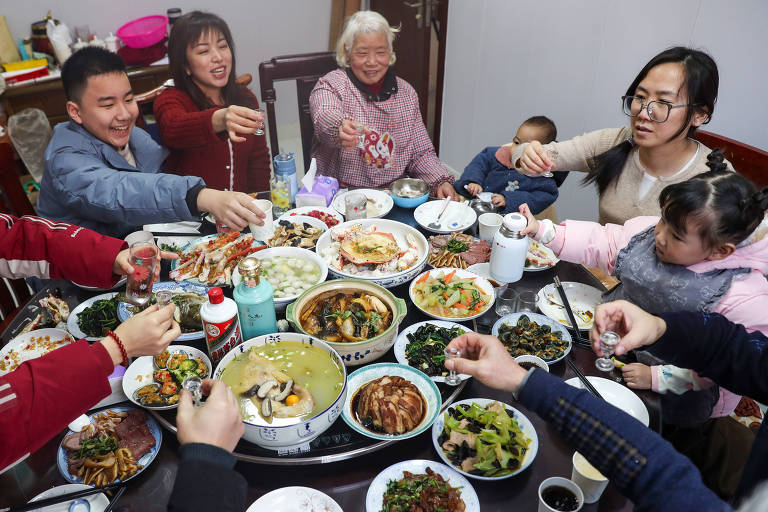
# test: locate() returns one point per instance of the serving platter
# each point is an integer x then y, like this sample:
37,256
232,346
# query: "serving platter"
72,322
512,318
402,342
143,462
480,282
380,203
374,498
582,297
31,345
540,253
204,239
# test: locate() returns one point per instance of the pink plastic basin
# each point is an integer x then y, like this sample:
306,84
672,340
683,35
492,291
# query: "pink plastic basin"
143,32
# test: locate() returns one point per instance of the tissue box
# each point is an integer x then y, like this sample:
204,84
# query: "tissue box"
323,190
116,384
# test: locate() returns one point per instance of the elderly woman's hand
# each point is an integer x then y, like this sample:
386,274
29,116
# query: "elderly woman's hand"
348,132
534,159
446,190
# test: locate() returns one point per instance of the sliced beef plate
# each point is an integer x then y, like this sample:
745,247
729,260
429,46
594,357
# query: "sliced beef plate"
139,440
135,417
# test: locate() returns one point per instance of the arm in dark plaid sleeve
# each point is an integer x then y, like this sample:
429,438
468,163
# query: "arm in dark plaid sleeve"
326,107
644,467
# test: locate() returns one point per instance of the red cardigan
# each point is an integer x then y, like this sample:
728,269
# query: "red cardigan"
196,150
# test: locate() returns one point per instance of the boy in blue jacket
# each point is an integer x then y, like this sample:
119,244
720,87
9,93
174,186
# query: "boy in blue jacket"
510,188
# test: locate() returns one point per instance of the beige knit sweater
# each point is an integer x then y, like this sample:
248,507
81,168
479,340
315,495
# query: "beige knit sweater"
620,201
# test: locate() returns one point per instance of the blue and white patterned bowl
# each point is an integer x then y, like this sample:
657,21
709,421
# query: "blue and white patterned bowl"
124,312
304,430
366,374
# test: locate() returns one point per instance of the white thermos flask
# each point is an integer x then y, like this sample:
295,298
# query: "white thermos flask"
509,249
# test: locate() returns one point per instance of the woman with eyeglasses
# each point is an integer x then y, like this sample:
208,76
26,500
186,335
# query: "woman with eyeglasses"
670,98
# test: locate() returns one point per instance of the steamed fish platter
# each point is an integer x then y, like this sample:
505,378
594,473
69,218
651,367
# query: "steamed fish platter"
444,294
345,316
171,370
187,312
367,252
212,261
389,405
279,384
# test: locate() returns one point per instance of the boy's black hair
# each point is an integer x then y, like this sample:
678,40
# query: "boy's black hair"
726,206
85,63
547,124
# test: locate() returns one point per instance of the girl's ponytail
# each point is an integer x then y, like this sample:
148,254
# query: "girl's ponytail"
608,166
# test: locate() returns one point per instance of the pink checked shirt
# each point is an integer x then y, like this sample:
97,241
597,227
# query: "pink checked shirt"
335,98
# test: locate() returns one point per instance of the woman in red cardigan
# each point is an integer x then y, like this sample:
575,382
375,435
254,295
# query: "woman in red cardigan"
207,120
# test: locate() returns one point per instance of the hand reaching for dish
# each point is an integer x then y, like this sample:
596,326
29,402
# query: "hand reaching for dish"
234,209
533,225
145,334
486,358
474,188
217,422
123,267
236,119
636,327
446,189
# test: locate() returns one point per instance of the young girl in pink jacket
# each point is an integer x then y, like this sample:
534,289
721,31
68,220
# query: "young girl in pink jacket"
707,252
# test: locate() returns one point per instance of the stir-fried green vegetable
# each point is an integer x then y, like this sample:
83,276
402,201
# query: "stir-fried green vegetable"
429,492
426,348
457,246
528,337
491,434
99,445
100,317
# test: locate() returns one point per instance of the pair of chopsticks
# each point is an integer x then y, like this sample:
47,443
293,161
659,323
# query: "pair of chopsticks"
71,496
578,339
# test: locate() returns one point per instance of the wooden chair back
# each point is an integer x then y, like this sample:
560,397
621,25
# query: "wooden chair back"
749,161
16,202
306,69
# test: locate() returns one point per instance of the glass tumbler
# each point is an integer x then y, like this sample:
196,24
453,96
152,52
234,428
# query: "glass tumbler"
143,256
355,206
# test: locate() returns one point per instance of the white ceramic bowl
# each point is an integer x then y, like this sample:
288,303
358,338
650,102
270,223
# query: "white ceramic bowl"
298,219
522,421
399,231
305,430
481,282
359,352
379,202
305,210
290,252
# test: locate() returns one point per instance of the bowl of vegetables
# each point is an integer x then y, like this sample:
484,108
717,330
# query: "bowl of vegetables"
485,439
452,294
290,270
422,346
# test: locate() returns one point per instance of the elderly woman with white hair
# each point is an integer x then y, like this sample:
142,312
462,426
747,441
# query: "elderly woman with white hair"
368,127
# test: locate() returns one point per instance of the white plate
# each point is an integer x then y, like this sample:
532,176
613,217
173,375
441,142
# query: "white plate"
175,241
484,270
380,203
139,373
512,319
31,345
482,283
375,497
124,312
582,297
522,421
617,395
117,285
457,217
542,253
294,499
402,341
143,462
366,374
174,227
295,252
304,210
298,219
400,232
72,325
98,502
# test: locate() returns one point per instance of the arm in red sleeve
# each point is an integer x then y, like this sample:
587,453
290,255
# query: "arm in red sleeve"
33,246
44,395
182,125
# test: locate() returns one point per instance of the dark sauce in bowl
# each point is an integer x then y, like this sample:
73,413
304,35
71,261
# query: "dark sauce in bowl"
560,498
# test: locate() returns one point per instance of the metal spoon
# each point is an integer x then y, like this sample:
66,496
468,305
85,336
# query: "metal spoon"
436,224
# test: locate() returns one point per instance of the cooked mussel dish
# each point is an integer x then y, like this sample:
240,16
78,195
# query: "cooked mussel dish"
187,312
528,337
345,316
171,370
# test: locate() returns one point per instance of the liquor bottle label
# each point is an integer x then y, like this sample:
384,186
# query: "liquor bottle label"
222,337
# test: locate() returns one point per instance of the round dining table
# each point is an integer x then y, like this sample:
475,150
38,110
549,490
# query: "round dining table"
344,477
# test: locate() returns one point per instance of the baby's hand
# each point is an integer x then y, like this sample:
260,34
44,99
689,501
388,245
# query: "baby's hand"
533,225
498,200
637,375
474,189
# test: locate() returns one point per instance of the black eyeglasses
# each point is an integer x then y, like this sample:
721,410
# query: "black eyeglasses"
658,111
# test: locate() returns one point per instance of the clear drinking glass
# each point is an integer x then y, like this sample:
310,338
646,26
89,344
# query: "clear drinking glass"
144,256
452,379
360,127
163,297
552,154
526,301
195,387
260,131
506,301
355,206
608,342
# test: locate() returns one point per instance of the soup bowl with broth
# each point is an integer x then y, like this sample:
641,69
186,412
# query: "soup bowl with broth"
317,377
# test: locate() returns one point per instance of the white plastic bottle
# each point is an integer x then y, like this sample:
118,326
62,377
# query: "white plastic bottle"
508,249
221,324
